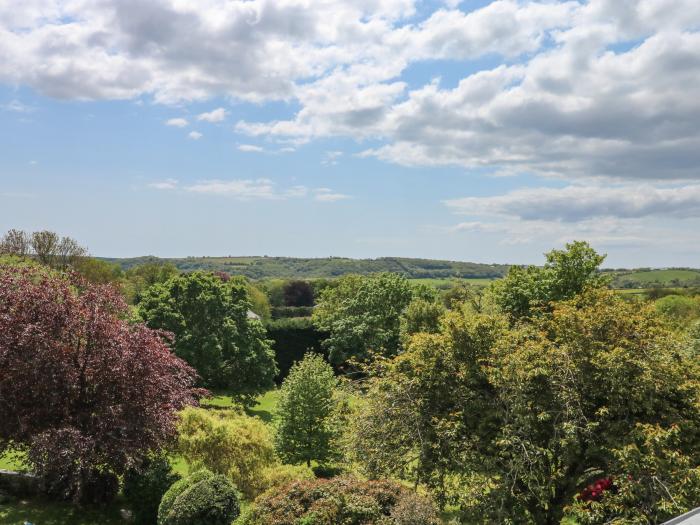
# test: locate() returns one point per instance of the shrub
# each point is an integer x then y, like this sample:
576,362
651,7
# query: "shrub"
343,500
678,308
177,488
228,443
144,488
278,475
293,338
201,499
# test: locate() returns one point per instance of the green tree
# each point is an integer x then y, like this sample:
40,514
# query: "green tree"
362,315
307,411
566,273
140,278
213,333
510,424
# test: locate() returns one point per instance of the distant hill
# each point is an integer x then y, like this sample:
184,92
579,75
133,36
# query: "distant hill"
300,268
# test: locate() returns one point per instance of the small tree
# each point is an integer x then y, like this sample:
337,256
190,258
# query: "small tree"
307,412
298,293
87,394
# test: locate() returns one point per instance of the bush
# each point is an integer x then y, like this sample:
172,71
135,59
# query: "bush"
678,308
144,488
342,500
228,443
278,475
201,499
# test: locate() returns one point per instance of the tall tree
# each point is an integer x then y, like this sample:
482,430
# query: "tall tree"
213,333
514,423
525,291
307,412
86,393
363,315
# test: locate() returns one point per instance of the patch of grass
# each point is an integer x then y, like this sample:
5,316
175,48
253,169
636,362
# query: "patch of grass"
664,278
266,406
46,512
11,461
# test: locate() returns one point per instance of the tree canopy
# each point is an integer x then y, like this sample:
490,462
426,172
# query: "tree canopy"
83,391
213,332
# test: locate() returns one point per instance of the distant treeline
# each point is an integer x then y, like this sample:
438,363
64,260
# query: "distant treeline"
299,268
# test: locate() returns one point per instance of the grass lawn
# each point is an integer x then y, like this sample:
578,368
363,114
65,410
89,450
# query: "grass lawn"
40,512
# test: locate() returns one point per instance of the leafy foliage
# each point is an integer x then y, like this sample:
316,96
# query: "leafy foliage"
308,412
144,488
229,443
510,423
362,315
344,500
87,393
201,499
298,293
213,333
527,290
292,339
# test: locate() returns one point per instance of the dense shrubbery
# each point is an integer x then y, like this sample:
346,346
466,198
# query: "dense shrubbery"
203,498
238,446
292,339
510,417
342,500
144,488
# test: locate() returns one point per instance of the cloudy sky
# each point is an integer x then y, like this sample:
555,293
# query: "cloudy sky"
470,130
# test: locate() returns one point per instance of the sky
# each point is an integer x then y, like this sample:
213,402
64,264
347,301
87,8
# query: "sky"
464,130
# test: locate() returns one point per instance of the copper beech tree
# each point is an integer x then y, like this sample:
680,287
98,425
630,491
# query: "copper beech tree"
85,393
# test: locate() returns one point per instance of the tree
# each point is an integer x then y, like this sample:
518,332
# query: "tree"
15,242
525,291
512,423
87,394
141,277
213,333
307,412
362,315
298,293
145,486
46,246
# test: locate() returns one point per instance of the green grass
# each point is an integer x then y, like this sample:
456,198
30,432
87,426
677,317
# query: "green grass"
10,461
666,278
42,512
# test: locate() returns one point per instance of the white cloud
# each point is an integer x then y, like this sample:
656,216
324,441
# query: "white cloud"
250,148
177,122
17,106
167,184
576,203
328,195
250,189
331,158
195,135
216,115
602,88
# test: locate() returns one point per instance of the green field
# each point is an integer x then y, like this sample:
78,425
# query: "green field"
661,278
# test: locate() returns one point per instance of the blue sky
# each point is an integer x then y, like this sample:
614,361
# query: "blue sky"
481,131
